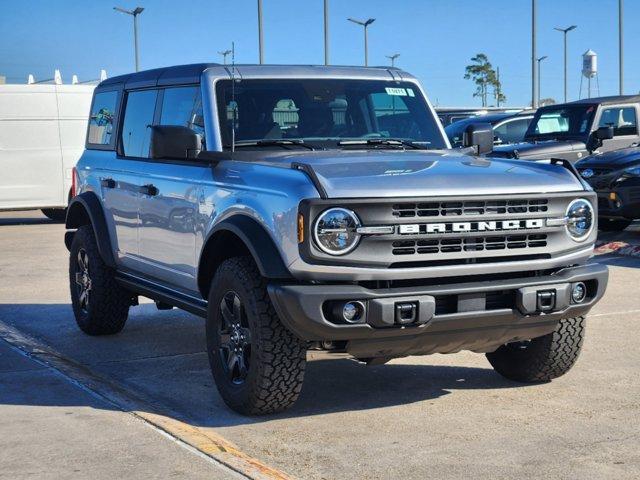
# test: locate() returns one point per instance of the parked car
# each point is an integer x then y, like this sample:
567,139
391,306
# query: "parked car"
615,176
321,227
507,127
42,134
573,130
449,115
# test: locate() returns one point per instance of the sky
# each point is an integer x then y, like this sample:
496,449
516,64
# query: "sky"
435,39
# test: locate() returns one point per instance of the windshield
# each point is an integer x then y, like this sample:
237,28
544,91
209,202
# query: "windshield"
562,122
325,112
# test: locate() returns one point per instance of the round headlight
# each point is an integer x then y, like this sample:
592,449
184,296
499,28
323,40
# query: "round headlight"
579,219
335,231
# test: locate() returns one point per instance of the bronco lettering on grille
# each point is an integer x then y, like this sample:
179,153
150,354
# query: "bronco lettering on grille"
462,227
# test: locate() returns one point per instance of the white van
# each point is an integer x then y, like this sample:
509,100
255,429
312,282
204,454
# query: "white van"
42,135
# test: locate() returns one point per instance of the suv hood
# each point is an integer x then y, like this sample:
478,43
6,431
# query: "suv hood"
398,173
538,150
626,157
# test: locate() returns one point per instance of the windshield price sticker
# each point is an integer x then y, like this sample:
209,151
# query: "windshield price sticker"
399,92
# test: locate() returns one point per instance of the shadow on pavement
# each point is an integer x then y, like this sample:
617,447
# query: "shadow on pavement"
160,358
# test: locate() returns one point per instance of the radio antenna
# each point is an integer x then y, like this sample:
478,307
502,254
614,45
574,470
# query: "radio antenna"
233,97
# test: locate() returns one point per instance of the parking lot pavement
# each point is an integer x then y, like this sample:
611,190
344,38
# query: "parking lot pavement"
442,416
51,428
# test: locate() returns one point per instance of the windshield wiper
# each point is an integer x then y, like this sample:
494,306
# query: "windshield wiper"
384,142
274,142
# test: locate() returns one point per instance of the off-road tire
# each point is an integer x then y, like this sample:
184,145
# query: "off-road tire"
544,358
607,225
277,357
108,306
55,214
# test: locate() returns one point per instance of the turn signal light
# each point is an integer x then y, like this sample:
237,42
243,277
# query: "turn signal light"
300,228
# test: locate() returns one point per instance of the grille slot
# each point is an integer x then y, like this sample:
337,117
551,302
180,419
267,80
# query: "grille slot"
471,244
471,208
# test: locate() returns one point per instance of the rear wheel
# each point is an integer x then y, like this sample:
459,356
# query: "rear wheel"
609,225
55,214
544,358
258,365
100,304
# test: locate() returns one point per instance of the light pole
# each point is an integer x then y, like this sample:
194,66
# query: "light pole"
224,56
534,64
326,32
539,60
393,58
260,34
134,13
365,24
565,31
620,46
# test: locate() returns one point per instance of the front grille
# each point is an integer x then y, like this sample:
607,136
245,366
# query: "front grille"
598,171
482,207
469,244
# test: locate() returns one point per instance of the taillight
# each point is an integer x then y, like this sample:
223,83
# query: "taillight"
74,182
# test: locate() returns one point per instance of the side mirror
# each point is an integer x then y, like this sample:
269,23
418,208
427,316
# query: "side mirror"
604,133
174,141
479,136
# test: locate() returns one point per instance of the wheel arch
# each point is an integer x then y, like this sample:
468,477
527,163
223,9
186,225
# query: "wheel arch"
236,236
86,209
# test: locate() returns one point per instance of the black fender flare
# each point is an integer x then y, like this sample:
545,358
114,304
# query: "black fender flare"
255,238
86,209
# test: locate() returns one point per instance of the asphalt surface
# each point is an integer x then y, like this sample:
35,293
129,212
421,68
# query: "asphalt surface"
441,416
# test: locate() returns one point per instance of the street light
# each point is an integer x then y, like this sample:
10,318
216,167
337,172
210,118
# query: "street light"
326,32
260,34
134,13
393,58
539,60
224,56
620,47
365,24
565,31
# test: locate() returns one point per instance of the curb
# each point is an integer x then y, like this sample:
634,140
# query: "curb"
203,441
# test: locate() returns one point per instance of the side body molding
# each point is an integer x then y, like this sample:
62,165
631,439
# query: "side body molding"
255,238
86,209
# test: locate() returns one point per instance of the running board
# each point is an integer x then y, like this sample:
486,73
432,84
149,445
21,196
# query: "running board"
156,292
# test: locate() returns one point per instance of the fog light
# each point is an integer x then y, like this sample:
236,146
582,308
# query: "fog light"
578,292
353,312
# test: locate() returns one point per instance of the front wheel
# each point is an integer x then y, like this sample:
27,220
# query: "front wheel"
544,358
609,225
258,365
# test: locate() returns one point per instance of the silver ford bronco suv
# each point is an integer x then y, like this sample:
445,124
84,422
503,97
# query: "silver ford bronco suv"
298,207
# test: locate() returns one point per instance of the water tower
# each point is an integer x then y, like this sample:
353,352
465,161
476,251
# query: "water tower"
589,71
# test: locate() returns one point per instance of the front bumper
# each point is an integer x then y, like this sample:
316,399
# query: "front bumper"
478,316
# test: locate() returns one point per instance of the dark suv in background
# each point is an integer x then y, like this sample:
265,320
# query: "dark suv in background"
574,130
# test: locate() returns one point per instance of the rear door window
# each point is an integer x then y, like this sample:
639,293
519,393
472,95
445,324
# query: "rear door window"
622,119
512,131
101,120
138,117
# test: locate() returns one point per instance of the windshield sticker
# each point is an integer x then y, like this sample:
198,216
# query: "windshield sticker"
410,92
399,92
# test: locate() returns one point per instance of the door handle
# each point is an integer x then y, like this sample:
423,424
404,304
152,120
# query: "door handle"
108,182
150,190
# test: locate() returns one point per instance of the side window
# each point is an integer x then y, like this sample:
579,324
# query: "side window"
138,116
183,106
101,120
622,119
512,131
